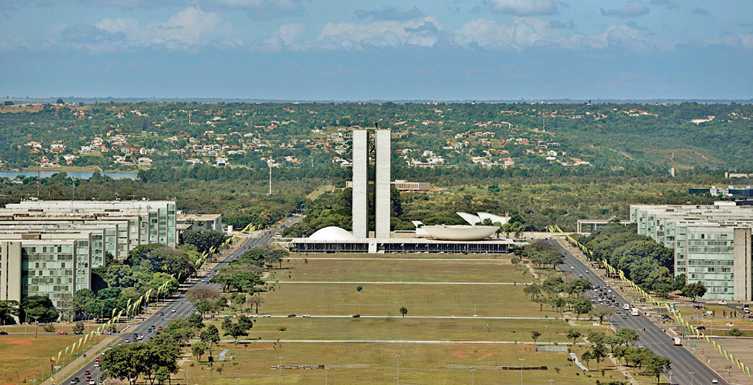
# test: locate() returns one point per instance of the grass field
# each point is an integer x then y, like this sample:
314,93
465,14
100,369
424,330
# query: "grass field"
377,363
492,257
25,356
420,270
385,300
421,329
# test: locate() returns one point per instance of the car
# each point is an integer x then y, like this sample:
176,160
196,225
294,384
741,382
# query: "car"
356,316
700,328
580,276
159,328
96,364
572,267
306,315
162,313
714,381
3,333
78,332
730,324
92,382
88,378
76,379
96,359
291,315
173,310
722,302
63,332
135,339
266,315
624,316
618,311
125,341
86,372
73,381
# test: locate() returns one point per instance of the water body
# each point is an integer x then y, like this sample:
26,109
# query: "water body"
72,174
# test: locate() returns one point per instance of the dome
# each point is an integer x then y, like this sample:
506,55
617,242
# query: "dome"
460,233
331,233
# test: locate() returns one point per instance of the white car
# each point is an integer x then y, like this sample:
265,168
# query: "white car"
730,324
306,315
722,302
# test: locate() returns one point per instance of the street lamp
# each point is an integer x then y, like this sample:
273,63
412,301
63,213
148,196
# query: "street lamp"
279,379
521,370
473,375
691,377
326,375
397,356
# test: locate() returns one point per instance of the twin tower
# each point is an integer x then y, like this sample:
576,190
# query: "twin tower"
382,205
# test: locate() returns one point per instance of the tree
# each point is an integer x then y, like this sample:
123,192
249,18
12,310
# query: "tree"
235,331
586,357
582,306
630,336
359,288
573,334
59,101
198,349
734,332
515,261
79,327
403,311
196,321
535,336
39,308
210,336
601,312
8,309
599,352
658,365
693,291
203,307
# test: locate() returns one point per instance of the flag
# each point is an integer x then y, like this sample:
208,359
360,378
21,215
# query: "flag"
58,357
66,349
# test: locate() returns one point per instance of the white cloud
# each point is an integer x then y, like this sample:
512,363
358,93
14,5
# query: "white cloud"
261,9
185,30
423,33
522,7
530,32
633,8
287,35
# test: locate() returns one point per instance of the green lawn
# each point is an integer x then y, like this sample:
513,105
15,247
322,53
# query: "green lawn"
418,270
384,300
377,363
23,356
418,329
500,257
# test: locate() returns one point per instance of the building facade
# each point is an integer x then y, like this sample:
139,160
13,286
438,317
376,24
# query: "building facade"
711,244
50,247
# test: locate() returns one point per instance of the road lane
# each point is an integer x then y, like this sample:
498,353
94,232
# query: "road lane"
651,336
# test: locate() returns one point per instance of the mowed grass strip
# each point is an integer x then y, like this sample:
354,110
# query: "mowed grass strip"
500,257
409,329
24,355
386,300
377,363
402,271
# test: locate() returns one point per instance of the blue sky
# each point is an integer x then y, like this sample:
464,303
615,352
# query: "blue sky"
378,50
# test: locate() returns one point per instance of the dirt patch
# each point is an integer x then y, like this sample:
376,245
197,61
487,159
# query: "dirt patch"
20,342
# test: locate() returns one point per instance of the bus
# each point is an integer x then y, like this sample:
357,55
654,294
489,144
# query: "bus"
634,311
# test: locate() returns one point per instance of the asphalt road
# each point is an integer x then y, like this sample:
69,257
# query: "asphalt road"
176,307
686,368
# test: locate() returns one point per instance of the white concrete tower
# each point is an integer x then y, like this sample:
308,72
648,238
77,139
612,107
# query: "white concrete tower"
360,183
383,207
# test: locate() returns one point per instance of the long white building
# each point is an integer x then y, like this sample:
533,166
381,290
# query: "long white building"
50,247
712,244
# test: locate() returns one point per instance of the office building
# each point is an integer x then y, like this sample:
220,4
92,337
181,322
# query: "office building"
711,244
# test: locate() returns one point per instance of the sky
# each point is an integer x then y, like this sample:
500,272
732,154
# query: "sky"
357,50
